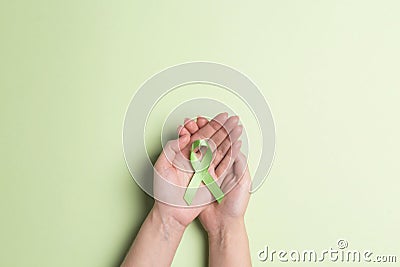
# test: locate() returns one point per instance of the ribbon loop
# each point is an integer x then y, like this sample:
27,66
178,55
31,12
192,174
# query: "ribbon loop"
201,173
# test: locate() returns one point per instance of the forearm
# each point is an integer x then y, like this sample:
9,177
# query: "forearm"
156,242
229,245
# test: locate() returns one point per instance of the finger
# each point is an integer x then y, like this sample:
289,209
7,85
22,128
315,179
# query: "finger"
228,182
211,127
229,158
241,169
181,130
201,122
222,133
211,171
191,126
239,176
240,164
223,148
207,131
218,179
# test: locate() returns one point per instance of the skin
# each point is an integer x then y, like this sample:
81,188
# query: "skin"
224,222
161,232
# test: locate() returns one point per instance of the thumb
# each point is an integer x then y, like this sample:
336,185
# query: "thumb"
173,147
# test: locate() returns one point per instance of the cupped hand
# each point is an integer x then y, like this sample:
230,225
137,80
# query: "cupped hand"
172,171
237,182
233,207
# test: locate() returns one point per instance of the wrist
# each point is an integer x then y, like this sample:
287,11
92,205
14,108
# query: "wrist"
168,222
227,227
229,246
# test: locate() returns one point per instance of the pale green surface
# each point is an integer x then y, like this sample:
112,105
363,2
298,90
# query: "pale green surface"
68,69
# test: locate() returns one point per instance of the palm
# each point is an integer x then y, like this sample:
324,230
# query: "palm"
166,170
235,202
173,170
236,181
173,174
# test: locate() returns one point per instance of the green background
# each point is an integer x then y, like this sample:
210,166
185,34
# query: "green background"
68,69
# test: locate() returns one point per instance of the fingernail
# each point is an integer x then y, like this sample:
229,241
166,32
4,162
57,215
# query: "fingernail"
223,114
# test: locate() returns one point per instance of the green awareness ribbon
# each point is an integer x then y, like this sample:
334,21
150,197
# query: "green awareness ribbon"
201,174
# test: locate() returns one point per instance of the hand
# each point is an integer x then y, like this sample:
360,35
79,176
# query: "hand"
173,170
217,215
224,222
164,226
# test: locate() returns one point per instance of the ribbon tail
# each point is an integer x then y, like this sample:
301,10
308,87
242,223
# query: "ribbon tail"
213,187
192,188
